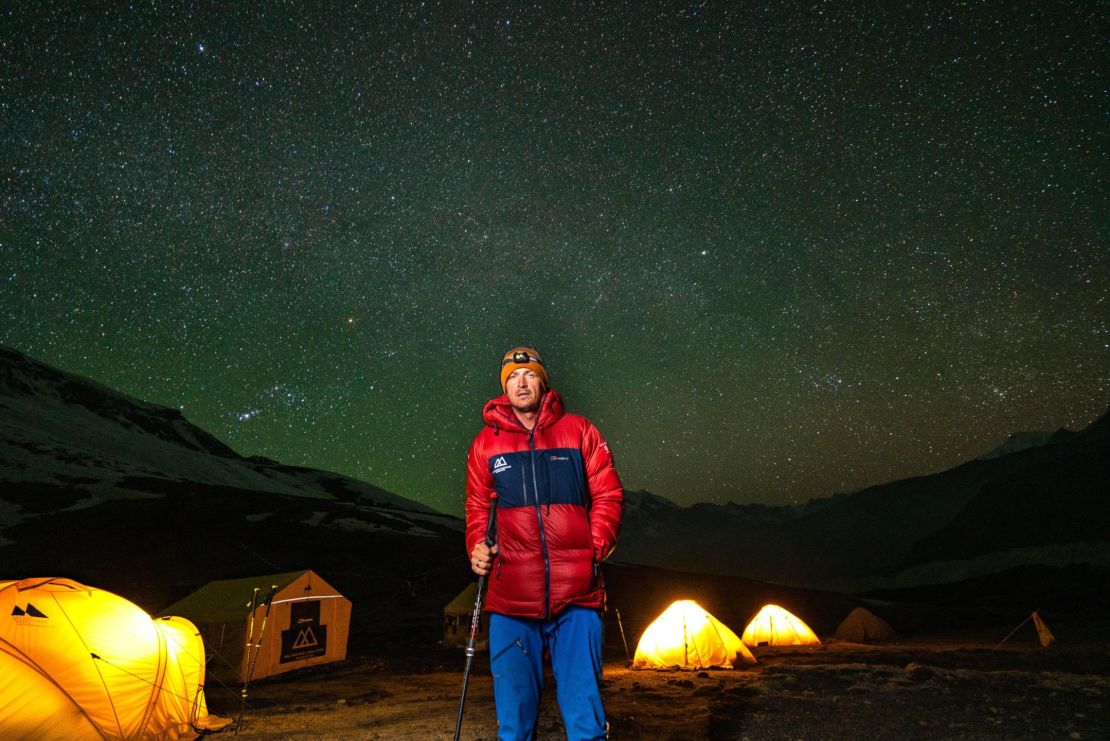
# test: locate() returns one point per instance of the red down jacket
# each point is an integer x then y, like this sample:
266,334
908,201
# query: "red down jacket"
559,503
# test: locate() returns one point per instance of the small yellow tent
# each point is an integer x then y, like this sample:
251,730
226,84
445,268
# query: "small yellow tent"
864,626
306,622
81,663
1044,635
686,635
774,626
456,620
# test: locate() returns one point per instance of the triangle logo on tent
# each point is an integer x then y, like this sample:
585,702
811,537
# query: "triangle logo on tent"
306,638
31,611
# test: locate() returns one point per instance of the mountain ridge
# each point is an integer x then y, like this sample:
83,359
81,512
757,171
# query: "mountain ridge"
70,445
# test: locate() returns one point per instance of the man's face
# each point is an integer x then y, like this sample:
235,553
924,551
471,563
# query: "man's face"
524,388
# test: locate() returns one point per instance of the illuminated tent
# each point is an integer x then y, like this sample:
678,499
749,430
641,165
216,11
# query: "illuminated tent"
774,626
80,663
305,622
456,620
1044,635
864,626
686,635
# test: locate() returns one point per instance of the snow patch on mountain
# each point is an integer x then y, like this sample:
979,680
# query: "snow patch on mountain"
946,572
64,436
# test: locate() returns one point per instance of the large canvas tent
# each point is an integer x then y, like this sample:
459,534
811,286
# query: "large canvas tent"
776,626
78,662
687,636
305,622
456,620
864,626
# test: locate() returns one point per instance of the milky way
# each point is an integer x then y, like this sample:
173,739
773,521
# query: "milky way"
772,252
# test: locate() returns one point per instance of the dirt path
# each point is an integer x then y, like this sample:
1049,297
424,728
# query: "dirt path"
845,693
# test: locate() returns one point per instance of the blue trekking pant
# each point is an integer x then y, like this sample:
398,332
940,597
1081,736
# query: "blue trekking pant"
516,656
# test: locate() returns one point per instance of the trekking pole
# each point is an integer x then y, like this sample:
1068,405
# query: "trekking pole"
623,639
252,660
253,605
476,616
262,630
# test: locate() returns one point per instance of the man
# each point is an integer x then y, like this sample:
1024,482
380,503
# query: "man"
558,499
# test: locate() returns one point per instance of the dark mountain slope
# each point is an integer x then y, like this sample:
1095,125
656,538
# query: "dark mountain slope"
1061,497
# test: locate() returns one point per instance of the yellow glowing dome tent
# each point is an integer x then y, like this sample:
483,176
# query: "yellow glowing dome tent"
686,635
775,626
81,663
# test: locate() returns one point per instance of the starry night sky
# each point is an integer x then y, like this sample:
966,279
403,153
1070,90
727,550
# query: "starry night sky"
773,252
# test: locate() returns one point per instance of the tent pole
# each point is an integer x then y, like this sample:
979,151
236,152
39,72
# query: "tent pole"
623,639
1015,630
685,645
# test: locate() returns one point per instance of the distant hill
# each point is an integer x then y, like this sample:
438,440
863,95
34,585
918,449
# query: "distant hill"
1038,504
86,442
1060,498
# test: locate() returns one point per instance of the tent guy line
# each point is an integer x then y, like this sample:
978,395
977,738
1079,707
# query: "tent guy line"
160,685
307,599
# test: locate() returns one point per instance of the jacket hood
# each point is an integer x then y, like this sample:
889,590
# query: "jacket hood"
498,412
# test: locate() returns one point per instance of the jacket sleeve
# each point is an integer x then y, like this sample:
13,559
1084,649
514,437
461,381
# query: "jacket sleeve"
479,494
606,492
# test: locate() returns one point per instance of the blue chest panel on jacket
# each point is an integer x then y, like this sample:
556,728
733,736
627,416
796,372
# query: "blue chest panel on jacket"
550,476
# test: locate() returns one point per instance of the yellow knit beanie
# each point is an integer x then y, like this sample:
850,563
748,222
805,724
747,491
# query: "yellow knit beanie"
522,357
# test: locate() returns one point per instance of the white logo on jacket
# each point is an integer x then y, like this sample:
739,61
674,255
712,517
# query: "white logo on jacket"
500,465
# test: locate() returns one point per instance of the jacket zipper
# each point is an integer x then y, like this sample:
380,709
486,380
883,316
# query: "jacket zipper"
524,487
543,537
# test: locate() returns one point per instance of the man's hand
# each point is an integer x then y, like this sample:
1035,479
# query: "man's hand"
481,559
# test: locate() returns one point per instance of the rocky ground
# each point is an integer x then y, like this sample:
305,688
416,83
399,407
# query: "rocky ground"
922,690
